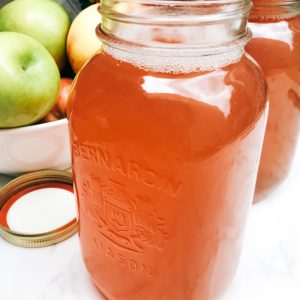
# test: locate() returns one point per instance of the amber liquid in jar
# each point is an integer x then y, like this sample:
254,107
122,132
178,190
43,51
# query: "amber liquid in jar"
165,161
276,47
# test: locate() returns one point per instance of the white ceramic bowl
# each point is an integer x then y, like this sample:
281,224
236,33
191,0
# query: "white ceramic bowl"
35,147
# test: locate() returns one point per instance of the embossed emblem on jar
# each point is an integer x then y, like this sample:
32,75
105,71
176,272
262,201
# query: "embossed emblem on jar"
127,220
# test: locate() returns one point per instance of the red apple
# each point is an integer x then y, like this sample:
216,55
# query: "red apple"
62,100
59,111
49,118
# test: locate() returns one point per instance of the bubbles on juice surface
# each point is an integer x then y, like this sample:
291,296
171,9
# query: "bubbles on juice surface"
175,61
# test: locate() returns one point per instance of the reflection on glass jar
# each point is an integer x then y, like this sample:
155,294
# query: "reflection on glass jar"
276,47
166,126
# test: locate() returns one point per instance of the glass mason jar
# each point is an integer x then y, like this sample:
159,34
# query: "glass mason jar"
276,47
166,126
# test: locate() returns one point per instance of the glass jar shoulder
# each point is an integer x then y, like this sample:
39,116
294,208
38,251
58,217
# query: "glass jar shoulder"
275,45
224,101
283,34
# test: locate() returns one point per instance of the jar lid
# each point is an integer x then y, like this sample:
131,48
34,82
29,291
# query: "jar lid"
31,190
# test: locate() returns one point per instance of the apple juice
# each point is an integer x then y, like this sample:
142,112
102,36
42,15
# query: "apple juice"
165,151
276,47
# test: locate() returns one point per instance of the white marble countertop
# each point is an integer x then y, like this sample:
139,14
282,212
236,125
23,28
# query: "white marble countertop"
269,268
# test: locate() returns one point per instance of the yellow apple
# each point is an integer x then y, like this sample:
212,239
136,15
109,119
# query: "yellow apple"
82,41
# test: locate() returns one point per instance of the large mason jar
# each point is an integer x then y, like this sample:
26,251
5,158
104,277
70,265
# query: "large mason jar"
276,47
166,125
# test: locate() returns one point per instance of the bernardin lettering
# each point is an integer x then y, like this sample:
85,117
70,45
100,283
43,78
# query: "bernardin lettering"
113,255
131,169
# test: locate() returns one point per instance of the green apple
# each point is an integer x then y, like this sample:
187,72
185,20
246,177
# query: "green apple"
44,20
29,80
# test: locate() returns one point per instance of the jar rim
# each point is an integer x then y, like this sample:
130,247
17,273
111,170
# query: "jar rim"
193,28
173,12
209,9
274,2
181,2
274,10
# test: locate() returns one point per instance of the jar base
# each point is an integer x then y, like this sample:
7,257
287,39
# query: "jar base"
263,192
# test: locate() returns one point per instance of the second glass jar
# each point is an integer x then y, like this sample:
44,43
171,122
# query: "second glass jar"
276,47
